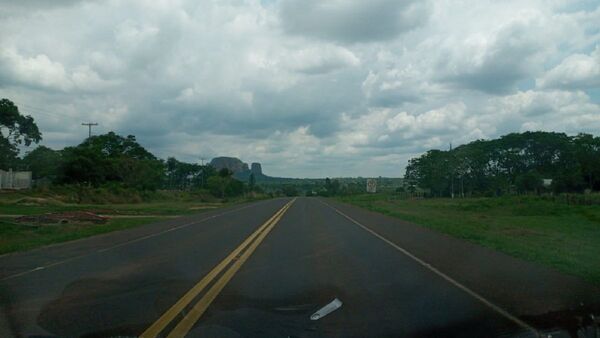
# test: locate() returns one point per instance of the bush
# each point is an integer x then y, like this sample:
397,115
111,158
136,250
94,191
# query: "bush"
529,182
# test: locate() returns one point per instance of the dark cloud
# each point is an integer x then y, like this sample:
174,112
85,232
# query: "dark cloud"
352,21
9,8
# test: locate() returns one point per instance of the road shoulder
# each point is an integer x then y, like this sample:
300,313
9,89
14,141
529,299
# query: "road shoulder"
524,288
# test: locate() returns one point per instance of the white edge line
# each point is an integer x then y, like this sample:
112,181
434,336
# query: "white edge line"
23,273
449,279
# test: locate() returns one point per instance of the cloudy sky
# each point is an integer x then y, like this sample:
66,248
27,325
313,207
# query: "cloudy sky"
309,88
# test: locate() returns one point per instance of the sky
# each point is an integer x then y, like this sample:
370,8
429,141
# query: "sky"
309,88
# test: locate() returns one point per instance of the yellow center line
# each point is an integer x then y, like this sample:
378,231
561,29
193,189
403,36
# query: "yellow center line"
164,320
186,324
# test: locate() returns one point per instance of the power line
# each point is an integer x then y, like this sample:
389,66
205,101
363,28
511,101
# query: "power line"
44,111
90,125
37,113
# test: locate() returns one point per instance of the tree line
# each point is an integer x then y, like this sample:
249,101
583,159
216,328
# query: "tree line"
113,159
515,163
108,159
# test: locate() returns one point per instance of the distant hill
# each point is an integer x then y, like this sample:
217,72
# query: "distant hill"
234,164
242,171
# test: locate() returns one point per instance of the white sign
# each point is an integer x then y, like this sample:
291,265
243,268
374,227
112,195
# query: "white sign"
371,185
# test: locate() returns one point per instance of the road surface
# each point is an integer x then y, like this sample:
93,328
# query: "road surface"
262,269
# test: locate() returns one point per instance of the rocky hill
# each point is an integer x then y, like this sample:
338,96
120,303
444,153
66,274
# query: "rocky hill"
240,170
256,168
234,164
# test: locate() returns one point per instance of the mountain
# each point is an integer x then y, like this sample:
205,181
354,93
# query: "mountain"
240,169
234,164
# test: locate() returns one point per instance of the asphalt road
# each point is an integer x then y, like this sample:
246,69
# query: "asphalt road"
262,269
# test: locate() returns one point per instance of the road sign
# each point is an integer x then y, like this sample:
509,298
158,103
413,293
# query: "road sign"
371,185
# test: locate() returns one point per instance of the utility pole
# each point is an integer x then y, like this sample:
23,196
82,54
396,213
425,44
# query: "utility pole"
202,172
90,125
451,173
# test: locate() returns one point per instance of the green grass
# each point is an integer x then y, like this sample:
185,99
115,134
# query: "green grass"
550,232
166,208
19,237
162,204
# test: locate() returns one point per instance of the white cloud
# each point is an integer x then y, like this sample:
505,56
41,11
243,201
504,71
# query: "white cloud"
38,70
576,71
556,110
41,71
311,88
320,59
495,60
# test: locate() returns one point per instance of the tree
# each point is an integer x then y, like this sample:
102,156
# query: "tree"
114,146
251,182
112,158
43,162
529,182
223,185
289,190
183,175
225,173
83,165
327,186
334,188
206,171
587,154
15,130
431,171
498,166
216,186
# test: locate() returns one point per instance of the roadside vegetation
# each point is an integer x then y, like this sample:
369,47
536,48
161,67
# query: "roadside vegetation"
108,175
562,232
20,237
518,163
115,164
120,214
533,195
63,199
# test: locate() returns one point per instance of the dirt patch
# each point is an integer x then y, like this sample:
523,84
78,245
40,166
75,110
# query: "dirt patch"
63,218
104,211
141,216
36,201
200,207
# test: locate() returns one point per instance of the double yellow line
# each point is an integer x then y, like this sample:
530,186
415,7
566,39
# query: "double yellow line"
234,261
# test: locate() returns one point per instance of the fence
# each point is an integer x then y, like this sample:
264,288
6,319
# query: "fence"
15,179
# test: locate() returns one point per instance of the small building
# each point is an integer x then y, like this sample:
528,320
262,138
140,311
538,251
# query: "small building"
546,182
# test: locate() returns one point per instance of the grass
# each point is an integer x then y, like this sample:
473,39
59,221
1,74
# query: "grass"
546,231
166,208
166,204
19,237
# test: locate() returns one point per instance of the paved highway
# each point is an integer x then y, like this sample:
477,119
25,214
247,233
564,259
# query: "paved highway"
262,270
